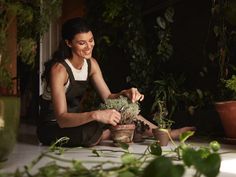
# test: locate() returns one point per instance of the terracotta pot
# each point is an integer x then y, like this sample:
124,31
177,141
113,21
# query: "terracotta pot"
9,121
227,113
161,136
122,133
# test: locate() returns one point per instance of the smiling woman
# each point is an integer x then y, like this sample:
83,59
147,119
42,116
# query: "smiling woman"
66,78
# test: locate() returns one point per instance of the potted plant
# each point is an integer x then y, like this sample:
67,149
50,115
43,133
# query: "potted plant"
227,108
161,133
25,23
124,131
223,13
140,128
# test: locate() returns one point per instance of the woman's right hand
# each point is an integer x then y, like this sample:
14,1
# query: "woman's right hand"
108,116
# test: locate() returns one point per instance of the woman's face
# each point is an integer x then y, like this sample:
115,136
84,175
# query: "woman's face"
82,45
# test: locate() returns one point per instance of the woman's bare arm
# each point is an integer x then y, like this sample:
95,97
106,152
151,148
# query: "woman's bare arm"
59,77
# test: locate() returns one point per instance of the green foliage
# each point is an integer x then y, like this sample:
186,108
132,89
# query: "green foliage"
231,83
162,167
153,162
160,117
204,161
4,73
220,51
171,90
155,149
121,28
33,19
227,89
27,50
165,48
128,110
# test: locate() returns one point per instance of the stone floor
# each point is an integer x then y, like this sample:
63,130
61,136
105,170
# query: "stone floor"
28,148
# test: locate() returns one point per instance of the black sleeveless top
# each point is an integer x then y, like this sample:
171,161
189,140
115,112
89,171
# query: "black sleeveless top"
74,94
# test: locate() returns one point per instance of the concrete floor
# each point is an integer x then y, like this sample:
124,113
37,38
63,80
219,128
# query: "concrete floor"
28,149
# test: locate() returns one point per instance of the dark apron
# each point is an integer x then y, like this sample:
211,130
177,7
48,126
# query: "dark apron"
48,130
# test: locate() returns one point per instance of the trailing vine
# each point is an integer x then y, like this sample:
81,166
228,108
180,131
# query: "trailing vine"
154,161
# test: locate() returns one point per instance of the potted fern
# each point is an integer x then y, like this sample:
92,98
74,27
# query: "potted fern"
124,131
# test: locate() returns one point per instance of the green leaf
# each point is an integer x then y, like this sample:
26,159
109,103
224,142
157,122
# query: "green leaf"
124,146
215,146
128,158
163,167
155,149
126,174
78,166
94,151
49,170
184,136
190,156
169,14
211,165
161,22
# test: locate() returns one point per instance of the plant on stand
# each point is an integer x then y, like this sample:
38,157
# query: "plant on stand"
124,131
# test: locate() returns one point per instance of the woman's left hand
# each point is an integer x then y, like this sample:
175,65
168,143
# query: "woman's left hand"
133,94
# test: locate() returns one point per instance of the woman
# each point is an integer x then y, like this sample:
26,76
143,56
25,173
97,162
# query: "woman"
66,79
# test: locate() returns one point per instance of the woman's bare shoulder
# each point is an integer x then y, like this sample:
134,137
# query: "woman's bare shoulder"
93,61
58,67
59,70
94,65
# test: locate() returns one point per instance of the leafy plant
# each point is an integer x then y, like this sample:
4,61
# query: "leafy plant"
128,110
165,48
171,90
228,88
140,126
221,54
154,161
160,117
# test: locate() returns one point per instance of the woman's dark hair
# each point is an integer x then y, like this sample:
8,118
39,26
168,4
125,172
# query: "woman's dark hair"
69,29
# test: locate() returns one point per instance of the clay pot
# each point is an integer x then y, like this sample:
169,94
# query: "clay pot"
161,136
122,133
227,113
9,121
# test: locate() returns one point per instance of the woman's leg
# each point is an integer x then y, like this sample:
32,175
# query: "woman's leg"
174,133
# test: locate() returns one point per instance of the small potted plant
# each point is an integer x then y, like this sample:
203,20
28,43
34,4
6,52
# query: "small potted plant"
140,128
124,131
161,133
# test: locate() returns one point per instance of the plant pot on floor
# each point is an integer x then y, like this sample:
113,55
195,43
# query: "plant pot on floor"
227,113
9,121
122,133
161,136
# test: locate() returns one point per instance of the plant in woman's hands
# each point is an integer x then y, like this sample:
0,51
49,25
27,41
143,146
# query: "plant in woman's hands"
128,110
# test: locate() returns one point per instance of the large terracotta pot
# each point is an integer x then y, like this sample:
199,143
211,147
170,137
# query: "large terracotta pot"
122,133
9,121
227,113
